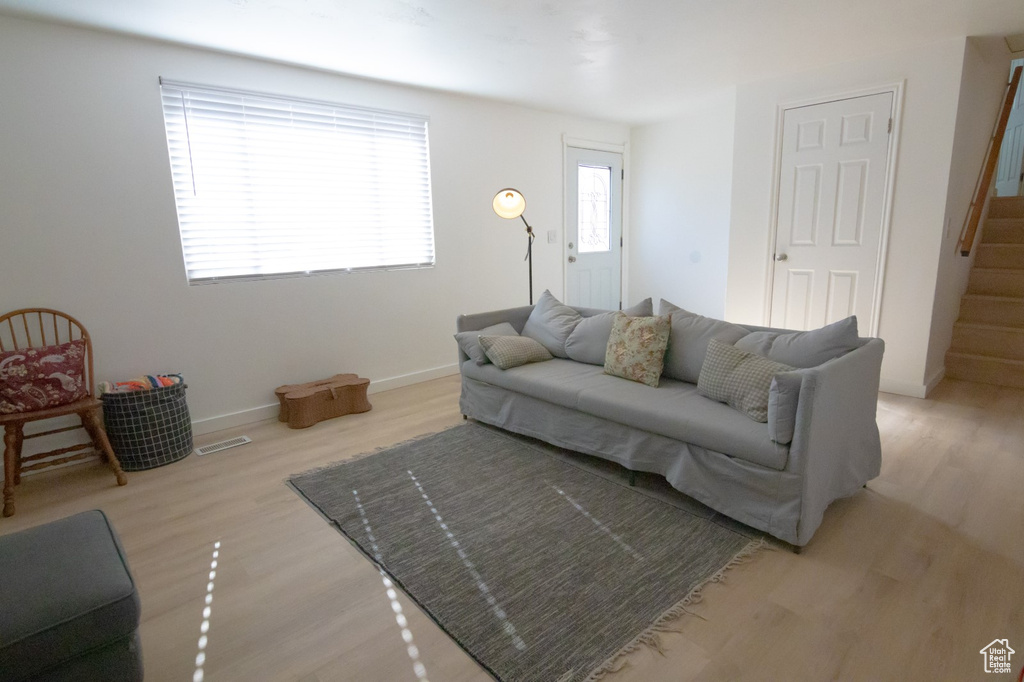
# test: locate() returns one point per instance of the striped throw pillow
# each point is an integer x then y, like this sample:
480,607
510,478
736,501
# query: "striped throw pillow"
739,379
512,351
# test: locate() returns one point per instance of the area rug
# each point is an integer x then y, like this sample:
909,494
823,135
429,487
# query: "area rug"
537,568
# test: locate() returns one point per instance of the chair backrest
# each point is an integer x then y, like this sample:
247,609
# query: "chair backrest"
38,327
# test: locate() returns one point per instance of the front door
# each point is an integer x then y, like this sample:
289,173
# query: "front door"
1008,173
832,187
593,228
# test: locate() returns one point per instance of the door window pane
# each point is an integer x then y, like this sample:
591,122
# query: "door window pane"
594,209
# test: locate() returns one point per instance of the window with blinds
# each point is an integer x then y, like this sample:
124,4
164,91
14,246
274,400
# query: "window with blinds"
267,186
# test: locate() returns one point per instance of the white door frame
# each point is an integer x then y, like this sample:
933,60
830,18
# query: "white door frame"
890,178
598,146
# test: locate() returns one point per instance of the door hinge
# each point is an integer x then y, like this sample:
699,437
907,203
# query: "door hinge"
620,242
890,126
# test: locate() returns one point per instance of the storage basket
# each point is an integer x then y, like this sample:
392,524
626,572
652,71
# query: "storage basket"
148,429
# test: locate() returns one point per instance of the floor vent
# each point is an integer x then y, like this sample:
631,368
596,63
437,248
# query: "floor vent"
223,445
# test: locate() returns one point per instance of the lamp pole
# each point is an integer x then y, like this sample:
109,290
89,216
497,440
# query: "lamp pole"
529,253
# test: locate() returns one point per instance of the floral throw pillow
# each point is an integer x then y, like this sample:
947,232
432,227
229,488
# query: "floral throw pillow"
636,348
38,378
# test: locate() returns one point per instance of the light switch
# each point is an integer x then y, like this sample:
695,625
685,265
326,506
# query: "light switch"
552,236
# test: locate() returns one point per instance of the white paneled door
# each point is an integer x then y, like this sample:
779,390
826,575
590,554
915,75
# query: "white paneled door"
832,187
1009,172
593,228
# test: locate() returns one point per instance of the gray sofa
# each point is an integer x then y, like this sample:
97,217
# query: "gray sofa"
704,448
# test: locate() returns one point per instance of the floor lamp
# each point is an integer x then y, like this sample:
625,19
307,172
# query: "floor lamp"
509,204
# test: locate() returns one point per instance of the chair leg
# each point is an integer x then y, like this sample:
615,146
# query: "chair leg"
91,422
20,439
12,463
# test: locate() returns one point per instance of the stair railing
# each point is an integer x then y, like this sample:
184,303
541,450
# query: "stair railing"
988,169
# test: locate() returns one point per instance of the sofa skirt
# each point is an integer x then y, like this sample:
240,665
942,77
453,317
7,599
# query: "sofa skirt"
757,496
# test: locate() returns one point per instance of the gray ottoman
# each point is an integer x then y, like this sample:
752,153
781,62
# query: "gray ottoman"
69,609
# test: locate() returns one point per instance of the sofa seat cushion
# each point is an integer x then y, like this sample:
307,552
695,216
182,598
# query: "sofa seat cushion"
674,409
67,593
557,381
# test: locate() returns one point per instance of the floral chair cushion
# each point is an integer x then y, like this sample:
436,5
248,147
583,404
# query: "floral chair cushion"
38,378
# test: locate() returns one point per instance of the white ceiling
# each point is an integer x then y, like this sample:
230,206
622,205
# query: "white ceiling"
634,61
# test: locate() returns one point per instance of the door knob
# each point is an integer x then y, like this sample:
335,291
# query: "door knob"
781,256
572,259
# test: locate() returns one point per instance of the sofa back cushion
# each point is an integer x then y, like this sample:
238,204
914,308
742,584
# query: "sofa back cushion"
804,349
469,342
739,379
688,343
636,348
588,342
550,324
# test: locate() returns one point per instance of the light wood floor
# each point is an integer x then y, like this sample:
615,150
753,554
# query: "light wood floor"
907,580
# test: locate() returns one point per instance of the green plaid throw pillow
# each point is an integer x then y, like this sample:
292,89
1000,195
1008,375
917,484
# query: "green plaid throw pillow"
511,351
739,379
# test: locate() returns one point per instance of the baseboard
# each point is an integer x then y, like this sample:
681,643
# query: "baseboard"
906,388
228,421
378,385
258,414
936,377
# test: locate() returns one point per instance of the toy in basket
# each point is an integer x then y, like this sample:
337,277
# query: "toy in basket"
147,420
303,405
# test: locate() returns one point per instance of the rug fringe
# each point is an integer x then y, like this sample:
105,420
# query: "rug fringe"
651,638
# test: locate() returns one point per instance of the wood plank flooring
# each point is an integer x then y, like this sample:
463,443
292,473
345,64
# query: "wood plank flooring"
907,580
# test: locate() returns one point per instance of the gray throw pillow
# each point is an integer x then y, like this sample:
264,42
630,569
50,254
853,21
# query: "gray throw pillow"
805,349
688,343
550,323
782,401
470,344
589,340
507,352
739,379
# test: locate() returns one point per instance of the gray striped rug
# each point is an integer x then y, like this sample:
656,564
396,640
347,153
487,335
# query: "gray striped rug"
539,569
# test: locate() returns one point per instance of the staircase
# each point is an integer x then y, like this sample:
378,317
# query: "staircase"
988,339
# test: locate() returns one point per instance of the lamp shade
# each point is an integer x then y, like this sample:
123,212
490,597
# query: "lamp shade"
509,203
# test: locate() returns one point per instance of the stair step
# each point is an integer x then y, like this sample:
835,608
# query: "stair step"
1002,256
1003,231
989,340
1006,311
996,282
1006,207
985,370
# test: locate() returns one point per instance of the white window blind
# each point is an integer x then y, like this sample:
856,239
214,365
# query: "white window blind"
268,186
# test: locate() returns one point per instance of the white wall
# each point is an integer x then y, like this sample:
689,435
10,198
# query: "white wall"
932,82
985,71
679,206
89,226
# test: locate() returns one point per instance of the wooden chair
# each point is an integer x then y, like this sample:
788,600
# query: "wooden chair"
37,328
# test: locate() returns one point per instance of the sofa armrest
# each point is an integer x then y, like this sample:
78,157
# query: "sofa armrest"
470,323
836,447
